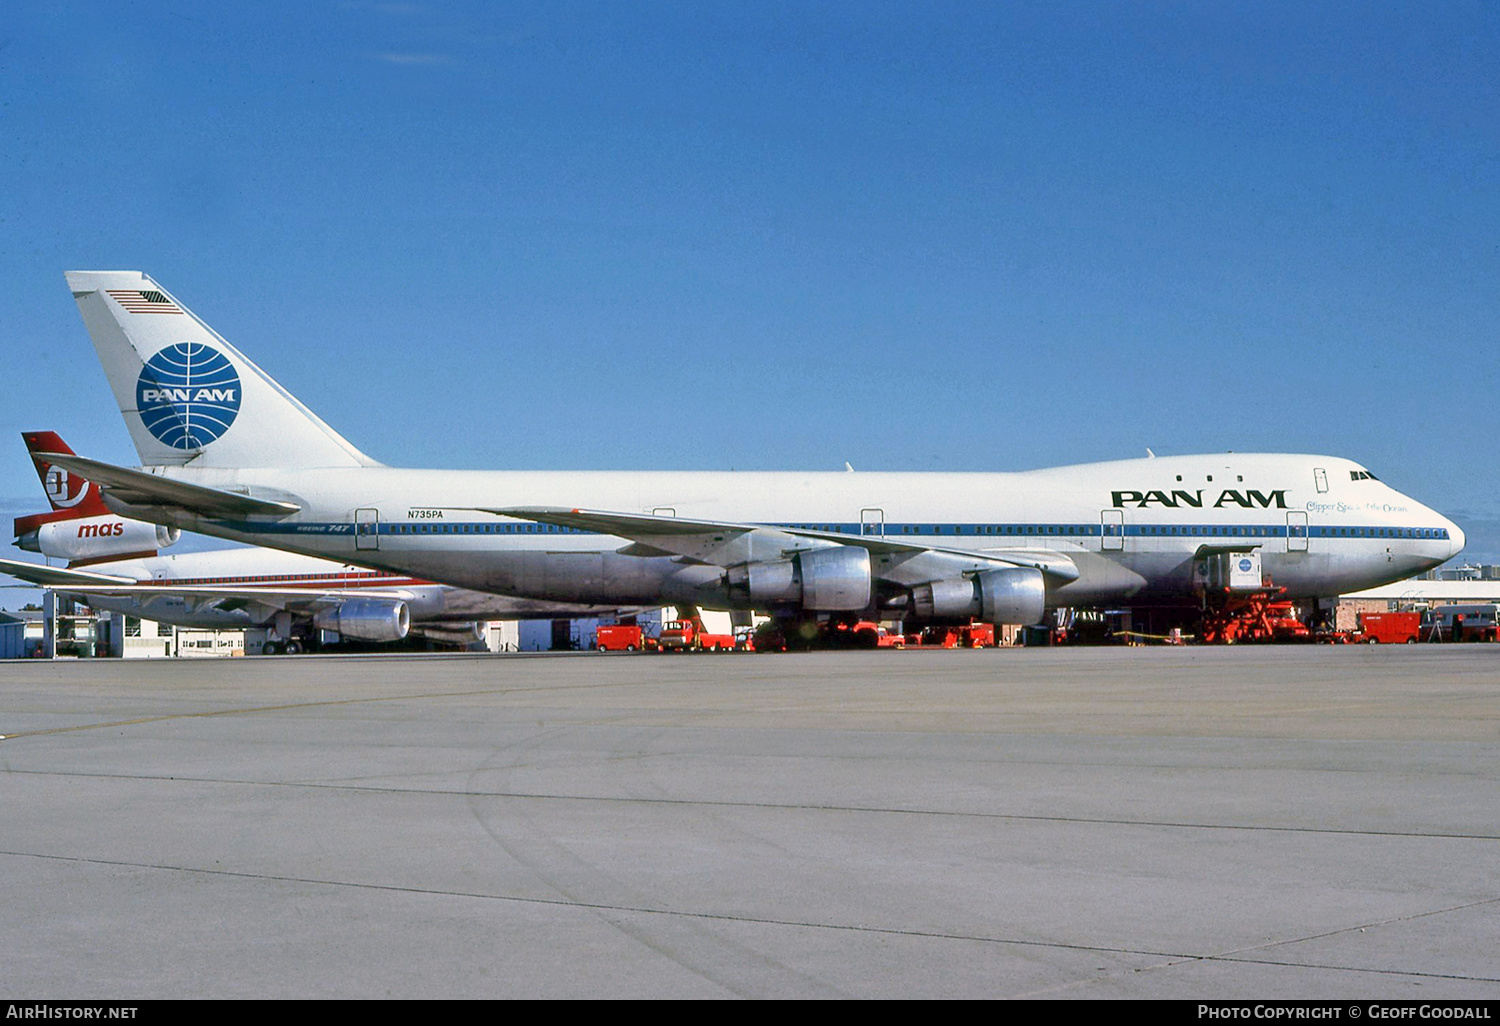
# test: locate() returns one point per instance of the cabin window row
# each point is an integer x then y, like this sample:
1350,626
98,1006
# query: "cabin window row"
478,529
1001,530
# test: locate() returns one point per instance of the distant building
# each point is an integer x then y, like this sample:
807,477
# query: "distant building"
13,641
1478,584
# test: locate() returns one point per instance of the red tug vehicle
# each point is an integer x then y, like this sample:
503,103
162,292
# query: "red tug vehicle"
689,635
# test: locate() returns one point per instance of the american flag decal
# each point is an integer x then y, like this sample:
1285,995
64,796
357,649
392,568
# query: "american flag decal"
144,302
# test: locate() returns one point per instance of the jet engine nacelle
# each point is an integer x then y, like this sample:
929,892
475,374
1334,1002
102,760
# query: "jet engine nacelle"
366,619
452,633
97,538
834,580
1008,595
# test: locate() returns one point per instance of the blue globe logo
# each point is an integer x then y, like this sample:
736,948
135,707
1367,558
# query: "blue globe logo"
188,394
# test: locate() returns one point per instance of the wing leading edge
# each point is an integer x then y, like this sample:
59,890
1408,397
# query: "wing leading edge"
723,543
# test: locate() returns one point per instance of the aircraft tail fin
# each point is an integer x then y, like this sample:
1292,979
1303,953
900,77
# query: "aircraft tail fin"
187,395
68,492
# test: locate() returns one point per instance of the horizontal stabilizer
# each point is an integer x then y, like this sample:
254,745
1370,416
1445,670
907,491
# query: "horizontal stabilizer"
141,489
58,577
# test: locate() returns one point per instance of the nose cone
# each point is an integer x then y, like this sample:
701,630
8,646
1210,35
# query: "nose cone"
1455,538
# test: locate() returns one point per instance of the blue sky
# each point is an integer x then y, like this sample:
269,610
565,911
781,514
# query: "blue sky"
913,236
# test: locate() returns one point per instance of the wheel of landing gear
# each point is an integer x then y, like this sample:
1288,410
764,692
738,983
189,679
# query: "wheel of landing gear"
293,648
270,648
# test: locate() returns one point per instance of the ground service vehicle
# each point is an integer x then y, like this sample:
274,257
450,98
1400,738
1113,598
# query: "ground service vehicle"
1389,628
971,635
1470,621
1263,616
690,636
623,638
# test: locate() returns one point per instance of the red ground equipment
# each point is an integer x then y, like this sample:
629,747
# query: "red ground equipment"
977,635
863,634
1389,628
972,635
622,638
690,636
1257,617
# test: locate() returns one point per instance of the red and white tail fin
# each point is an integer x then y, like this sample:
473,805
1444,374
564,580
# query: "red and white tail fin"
80,528
66,491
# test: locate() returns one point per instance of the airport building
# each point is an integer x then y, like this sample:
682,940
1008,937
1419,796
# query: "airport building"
13,634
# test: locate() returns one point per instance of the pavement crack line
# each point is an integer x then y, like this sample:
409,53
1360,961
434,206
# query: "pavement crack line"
1237,956
1172,957
767,806
283,707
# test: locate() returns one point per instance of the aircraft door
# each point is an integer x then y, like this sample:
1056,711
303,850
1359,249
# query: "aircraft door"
1296,531
872,522
1112,530
367,529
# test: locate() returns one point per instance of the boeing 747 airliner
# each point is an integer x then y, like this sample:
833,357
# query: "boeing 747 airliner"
227,451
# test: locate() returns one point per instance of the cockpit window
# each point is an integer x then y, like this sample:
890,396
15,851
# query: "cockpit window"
1362,475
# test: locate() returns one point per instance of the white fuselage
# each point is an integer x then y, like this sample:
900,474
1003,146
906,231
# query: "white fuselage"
1134,528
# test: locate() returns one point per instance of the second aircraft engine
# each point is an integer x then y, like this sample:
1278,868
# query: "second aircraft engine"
834,580
100,537
366,619
452,633
1007,595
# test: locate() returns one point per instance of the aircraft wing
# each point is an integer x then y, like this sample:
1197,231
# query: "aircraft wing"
721,543
710,542
139,488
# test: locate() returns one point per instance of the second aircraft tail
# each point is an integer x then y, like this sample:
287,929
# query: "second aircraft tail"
65,490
